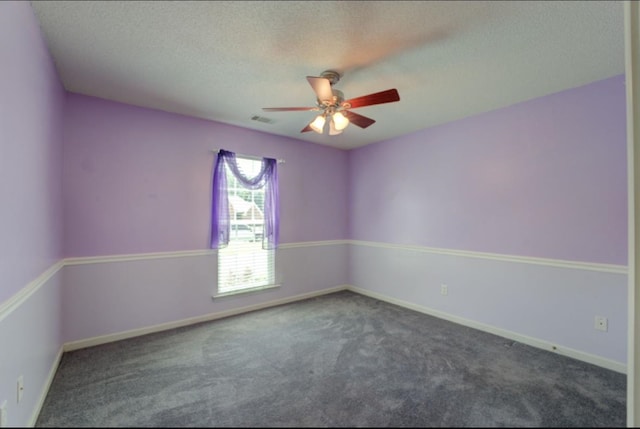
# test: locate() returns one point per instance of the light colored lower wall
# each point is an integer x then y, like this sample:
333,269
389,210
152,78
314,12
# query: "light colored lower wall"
114,295
546,303
30,345
81,302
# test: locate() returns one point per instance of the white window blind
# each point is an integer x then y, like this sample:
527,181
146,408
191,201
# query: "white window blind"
244,265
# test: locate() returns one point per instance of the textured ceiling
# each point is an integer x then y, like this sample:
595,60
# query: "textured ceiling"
224,61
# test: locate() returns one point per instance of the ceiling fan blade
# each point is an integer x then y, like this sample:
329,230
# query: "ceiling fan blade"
359,120
388,96
322,87
288,109
307,128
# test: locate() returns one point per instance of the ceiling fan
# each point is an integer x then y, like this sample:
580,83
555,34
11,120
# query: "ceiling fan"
332,105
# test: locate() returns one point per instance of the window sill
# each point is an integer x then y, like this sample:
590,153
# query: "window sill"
246,291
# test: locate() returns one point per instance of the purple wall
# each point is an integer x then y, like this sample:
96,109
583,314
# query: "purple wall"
543,178
138,180
31,107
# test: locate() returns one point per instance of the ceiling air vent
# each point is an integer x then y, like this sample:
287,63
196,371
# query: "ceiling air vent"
262,119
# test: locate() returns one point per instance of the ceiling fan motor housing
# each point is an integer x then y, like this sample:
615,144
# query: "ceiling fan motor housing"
335,103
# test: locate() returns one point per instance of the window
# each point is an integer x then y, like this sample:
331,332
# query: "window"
243,212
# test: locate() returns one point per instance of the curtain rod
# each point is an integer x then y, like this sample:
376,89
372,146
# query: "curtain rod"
258,158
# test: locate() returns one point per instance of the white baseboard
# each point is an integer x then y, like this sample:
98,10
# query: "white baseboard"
104,339
45,390
534,342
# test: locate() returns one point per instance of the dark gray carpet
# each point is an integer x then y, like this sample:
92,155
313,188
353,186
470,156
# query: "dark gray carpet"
340,360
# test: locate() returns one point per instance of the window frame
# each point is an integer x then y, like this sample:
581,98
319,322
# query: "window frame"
236,246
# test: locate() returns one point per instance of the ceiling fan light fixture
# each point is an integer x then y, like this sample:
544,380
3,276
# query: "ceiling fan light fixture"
339,121
318,124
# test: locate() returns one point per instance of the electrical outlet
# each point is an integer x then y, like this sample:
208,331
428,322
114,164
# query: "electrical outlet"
601,323
20,388
444,289
3,415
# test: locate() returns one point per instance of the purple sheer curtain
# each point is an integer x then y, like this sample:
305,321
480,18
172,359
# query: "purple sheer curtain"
267,178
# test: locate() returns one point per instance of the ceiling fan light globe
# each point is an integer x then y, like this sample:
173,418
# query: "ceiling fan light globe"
339,121
333,131
318,124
